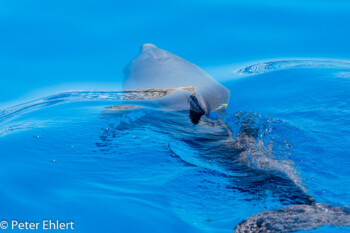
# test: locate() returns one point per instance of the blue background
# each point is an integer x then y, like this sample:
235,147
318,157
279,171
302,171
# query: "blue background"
51,46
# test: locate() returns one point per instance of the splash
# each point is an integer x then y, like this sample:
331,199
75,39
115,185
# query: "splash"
264,147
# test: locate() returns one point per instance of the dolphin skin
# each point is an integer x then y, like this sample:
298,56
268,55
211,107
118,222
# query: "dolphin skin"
159,71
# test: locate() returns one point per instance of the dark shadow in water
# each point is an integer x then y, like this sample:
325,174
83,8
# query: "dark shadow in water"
211,141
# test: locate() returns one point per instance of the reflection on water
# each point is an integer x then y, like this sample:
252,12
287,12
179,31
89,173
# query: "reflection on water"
75,96
235,170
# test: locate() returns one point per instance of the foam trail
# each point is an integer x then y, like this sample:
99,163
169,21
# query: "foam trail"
264,67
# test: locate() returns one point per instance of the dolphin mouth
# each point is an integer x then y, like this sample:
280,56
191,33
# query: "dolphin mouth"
197,108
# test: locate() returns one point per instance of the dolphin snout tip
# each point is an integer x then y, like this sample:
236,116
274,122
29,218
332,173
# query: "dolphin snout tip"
147,46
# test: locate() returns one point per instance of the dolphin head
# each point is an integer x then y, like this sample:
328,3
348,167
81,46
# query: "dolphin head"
158,68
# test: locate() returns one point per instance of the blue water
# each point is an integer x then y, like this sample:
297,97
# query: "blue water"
286,64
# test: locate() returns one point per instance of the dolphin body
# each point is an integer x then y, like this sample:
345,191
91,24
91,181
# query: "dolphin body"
184,86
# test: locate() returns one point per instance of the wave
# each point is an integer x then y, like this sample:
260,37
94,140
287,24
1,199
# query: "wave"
267,66
75,96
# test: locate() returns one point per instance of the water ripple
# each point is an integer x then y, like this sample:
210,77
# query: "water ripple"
75,96
267,66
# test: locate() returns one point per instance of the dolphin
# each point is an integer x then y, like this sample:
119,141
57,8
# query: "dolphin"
155,68
178,85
